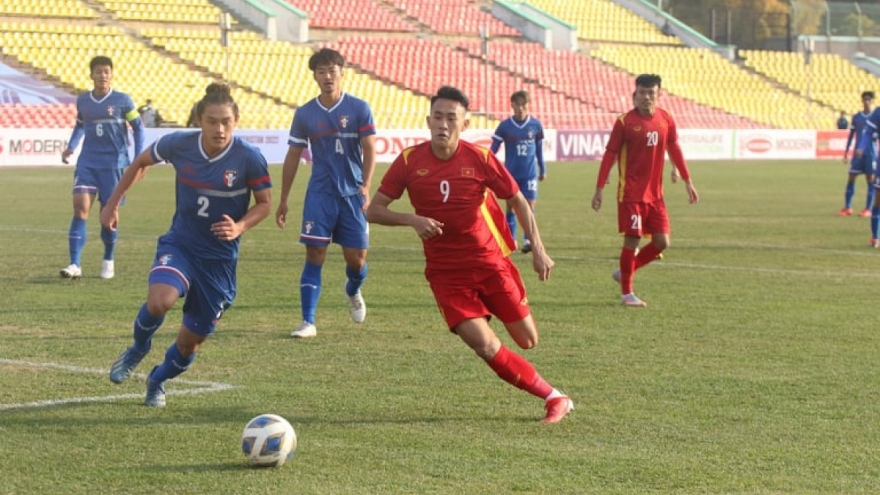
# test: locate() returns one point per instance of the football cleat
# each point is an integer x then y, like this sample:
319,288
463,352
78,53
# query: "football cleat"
357,308
527,247
107,269
556,409
304,330
632,301
72,272
865,213
155,391
125,364
845,212
875,243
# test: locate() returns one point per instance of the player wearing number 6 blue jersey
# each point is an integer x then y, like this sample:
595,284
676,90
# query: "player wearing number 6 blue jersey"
340,130
217,174
101,115
523,138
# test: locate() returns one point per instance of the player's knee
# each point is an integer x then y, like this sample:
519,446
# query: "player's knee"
158,305
661,243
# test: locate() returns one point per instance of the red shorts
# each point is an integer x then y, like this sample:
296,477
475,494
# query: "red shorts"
642,219
479,293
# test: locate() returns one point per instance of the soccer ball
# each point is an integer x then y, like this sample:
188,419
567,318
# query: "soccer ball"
268,440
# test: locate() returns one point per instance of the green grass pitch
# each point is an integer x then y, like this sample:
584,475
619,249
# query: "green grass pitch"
754,369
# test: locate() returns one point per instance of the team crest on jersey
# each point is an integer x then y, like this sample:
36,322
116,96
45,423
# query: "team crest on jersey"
422,172
165,259
637,128
343,121
467,172
229,177
111,110
531,134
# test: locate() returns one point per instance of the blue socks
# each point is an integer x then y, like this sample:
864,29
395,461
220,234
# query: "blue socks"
175,363
875,222
145,325
76,239
869,203
355,279
850,191
310,290
511,223
109,237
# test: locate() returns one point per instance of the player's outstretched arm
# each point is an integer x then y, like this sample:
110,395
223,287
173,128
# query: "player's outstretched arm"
134,173
597,199
541,261
288,173
228,229
379,213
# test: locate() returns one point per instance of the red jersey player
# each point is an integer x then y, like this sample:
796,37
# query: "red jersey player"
639,141
452,186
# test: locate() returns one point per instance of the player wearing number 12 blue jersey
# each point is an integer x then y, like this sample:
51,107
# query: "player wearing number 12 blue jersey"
217,174
101,115
340,130
523,138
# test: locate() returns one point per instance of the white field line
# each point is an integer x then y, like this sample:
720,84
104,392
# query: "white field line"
200,387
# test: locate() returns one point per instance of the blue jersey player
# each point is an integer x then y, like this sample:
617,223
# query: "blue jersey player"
101,115
217,174
340,131
522,136
864,158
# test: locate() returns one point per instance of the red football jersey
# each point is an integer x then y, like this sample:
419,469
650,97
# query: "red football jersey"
640,144
459,193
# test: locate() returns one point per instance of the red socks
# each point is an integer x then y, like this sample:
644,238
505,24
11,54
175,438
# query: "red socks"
630,262
646,255
515,370
627,269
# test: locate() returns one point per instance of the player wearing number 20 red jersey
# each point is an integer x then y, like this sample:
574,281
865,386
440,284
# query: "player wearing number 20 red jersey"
639,142
451,185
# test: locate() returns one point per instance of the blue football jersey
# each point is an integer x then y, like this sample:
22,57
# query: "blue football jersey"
334,136
859,126
208,188
100,122
520,141
864,127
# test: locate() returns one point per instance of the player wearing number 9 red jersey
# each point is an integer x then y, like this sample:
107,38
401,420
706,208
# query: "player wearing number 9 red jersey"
639,142
452,186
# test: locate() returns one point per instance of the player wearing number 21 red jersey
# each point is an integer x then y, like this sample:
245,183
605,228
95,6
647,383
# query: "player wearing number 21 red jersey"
452,186
639,142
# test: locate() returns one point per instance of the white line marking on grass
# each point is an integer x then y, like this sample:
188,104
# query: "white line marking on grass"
201,387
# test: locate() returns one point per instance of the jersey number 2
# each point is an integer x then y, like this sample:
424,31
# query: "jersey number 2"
203,202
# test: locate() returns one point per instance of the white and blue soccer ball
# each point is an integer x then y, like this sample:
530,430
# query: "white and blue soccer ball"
268,440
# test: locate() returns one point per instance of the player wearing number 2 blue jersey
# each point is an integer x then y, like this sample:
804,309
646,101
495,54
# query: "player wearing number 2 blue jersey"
101,115
523,138
217,174
340,130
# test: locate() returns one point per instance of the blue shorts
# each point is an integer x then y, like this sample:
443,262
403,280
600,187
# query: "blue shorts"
328,217
100,181
528,186
862,165
209,286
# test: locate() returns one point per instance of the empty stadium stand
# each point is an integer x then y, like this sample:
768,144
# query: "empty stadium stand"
603,20
366,15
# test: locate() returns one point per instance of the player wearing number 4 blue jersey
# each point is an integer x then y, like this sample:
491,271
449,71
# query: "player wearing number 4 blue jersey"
340,130
217,174
523,138
101,115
